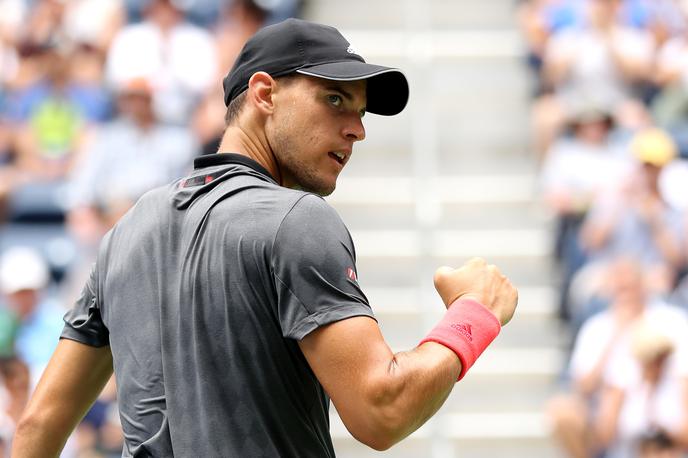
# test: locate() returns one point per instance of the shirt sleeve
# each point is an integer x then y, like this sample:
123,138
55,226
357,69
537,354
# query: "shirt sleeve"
314,269
83,321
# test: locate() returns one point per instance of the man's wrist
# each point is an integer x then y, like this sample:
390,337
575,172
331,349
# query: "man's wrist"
467,329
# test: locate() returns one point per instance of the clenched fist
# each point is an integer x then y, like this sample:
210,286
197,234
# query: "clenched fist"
479,281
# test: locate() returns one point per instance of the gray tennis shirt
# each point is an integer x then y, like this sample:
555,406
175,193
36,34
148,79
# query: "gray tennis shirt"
202,291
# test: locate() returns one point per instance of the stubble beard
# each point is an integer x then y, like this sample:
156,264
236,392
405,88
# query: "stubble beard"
292,164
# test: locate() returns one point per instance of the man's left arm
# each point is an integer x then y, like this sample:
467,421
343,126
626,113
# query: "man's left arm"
68,387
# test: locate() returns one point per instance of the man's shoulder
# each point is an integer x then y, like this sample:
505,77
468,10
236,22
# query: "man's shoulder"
291,206
311,207
311,215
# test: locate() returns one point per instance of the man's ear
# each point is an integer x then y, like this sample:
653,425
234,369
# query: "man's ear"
261,88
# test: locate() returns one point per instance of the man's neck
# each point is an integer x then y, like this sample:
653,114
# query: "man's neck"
238,140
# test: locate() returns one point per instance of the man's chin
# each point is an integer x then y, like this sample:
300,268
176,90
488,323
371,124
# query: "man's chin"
321,190
326,192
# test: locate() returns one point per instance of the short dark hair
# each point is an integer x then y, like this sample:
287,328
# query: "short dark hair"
237,103
234,108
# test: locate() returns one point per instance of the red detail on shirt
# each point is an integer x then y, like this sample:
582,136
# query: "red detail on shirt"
351,274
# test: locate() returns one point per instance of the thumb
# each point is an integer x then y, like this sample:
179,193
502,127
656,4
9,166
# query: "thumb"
441,274
443,283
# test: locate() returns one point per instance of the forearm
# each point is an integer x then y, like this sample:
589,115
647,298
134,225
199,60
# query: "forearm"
35,438
383,397
75,375
416,383
413,387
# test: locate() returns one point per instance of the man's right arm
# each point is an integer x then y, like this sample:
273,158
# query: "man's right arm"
383,397
68,387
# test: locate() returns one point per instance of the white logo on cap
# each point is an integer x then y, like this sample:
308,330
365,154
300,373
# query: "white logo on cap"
351,50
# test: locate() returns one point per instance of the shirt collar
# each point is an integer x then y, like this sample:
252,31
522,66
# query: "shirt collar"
211,160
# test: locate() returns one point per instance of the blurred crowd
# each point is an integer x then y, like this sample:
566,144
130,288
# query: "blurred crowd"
100,101
610,129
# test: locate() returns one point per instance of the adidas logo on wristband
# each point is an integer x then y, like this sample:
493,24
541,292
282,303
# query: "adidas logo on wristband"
464,330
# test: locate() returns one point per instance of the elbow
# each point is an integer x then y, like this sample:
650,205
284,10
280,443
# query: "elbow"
386,420
383,431
27,428
380,446
36,436
376,443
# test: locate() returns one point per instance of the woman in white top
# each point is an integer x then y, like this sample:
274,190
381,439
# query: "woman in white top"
646,395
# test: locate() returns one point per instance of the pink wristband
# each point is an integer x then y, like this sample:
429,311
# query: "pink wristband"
467,329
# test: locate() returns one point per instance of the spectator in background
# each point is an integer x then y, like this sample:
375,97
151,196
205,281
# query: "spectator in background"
601,353
604,63
539,20
600,340
15,386
10,17
577,168
670,107
648,393
93,23
24,278
635,219
50,118
177,57
100,431
44,21
662,18
239,21
127,157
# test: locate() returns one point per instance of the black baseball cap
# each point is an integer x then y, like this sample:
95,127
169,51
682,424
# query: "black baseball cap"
298,46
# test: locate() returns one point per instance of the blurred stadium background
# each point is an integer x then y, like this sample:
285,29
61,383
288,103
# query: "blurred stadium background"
97,105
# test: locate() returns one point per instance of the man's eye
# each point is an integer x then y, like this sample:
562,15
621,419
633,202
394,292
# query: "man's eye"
362,112
334,100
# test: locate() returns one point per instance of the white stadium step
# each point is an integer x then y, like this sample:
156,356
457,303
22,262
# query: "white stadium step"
472,425
403,300
488,243
474,189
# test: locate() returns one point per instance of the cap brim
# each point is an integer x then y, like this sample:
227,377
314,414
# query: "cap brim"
387,91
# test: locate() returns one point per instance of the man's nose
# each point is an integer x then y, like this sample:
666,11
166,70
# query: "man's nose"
354,129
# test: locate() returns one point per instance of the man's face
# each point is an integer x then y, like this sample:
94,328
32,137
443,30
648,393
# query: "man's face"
313,128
